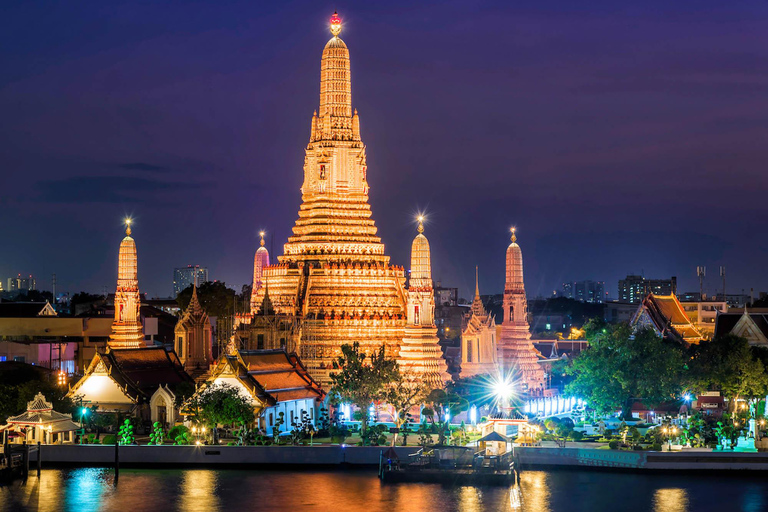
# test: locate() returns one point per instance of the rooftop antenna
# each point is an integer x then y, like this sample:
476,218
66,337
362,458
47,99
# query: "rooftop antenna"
701,272
722,274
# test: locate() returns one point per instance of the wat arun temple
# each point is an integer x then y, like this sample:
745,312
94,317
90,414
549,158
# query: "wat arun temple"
334,283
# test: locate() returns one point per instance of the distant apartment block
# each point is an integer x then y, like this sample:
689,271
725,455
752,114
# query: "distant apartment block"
185,277
19,283
585,291
633,288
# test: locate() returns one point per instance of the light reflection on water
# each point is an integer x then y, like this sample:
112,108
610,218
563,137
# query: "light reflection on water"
93,489
671,500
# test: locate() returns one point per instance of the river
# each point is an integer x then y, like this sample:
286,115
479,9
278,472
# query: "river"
208,490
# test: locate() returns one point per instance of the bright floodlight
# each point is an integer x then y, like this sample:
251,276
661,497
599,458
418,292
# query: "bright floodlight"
687,397
503,389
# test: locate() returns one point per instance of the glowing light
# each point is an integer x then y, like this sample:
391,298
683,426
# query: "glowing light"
687,397
128,221
473,415
335,24
503,389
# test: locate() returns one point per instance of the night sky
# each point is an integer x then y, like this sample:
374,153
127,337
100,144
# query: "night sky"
618,137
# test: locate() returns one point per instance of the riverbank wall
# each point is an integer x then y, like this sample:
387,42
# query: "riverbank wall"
235,456
586,458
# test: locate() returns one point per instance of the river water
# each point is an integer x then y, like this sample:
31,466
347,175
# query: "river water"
93,489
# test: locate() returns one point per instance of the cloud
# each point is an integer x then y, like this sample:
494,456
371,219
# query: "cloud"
141,166
110,189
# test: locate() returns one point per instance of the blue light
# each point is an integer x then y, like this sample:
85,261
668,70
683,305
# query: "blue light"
473,415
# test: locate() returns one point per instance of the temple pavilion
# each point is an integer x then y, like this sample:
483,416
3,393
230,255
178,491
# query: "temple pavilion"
40,423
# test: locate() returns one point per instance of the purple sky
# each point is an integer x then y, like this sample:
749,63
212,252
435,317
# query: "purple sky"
619,138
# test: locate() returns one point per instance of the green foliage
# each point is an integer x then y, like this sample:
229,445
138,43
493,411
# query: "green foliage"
406,392
126,433
301,428
20,382
279,422
618,367
729,364
438,403
109,439
220,405
613,444
180,435
157,436
362,380
214,296
245,436
374,436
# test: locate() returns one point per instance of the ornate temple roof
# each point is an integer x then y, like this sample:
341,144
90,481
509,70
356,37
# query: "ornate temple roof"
40,412
138,371
666,315
281,374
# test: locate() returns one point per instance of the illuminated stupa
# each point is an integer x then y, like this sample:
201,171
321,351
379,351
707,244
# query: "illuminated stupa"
260,262
333,274
514,344
420,352
127,331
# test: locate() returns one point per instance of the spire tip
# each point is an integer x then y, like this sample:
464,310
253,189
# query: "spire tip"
335,24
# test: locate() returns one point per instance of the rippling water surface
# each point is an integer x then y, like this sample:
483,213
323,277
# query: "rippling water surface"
93,489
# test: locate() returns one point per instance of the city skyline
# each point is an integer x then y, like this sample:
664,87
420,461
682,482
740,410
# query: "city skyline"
196,137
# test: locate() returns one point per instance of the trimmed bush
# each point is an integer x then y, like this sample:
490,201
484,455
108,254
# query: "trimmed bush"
108,439
613,444
656,447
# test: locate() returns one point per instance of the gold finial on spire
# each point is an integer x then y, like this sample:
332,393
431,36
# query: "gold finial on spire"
477,283
261,234
420,218
128,222
514,237
335,24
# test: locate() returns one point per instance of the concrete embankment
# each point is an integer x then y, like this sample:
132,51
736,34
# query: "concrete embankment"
575,458
190,456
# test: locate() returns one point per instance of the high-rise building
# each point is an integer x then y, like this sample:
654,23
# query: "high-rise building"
184,277
334,275
127,331
584,291
514,342
19,283
634,288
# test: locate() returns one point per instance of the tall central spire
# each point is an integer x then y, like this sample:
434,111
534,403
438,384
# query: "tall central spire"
335,217
334,275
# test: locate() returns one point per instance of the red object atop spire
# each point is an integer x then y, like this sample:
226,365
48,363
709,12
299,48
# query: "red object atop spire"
335,20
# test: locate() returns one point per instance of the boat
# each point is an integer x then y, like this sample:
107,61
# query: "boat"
455,465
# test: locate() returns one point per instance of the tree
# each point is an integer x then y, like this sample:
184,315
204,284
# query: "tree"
728,363
619,367
440,403
20,382
214,296
362,380
403,395
221,404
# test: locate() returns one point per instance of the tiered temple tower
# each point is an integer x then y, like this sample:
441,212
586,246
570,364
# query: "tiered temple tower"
127,331
194,339
420,352
260,262
514,345
333,274
478,340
